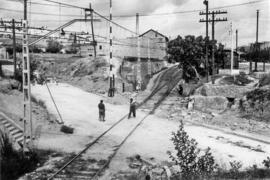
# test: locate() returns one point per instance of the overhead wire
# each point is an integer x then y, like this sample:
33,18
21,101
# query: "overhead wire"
142,15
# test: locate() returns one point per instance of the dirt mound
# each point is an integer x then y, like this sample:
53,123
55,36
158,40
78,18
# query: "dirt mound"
86,66
256,104
209,104
230,91
239,80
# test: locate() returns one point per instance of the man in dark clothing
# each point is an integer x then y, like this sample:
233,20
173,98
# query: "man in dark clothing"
180,90
101,108
132,108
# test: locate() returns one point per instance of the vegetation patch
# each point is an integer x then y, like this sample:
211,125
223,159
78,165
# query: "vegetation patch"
191,161
15,163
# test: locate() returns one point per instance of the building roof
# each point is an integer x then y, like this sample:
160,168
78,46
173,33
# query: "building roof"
156,33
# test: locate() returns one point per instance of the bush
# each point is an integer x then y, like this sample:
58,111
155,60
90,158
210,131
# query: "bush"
264,81
187,156
266,163
15,163
66,129
53,46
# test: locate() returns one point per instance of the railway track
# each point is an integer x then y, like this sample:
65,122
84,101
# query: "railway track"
79,167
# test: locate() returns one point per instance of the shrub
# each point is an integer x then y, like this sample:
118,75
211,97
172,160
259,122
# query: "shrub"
15,163
265,80
188,156
266,163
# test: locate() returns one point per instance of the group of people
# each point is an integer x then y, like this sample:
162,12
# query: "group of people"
101,108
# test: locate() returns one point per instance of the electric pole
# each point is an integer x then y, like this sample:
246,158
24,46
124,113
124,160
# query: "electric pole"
205,2
257,45
111,88
138,84
14,47
231,31
12,25
149,58
236,48
27,112
213,20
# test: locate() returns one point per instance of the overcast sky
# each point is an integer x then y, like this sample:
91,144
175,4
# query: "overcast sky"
160,16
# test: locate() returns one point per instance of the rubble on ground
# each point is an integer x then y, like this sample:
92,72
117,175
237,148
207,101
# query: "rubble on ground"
211,103
229,91
6,85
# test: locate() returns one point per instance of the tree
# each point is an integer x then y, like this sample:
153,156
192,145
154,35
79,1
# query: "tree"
34,64
73,48
189,52
34,49
53,46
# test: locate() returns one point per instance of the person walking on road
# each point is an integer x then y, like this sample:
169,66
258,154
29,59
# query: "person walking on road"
101,108
132,108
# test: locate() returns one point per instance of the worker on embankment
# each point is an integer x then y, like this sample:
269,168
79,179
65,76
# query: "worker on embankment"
101,108
132,108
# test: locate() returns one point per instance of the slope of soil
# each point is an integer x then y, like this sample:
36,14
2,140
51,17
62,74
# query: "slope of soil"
11,103
89,74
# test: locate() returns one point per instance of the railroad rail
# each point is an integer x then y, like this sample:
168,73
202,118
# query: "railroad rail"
165,87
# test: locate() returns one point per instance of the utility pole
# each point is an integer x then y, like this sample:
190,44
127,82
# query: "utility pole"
139,79
27,112
236,48
111,89
212,20
14,47
231,49
93,35
12,25
205,2
213,46
90,10
257,45
149,58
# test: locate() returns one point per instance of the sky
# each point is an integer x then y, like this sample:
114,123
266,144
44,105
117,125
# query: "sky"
169,17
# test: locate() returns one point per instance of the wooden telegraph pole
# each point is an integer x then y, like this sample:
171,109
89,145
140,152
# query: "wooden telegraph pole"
236,48
205,2
257,44
231,48
213,20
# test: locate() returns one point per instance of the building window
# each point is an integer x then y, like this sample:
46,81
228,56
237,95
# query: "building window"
100,47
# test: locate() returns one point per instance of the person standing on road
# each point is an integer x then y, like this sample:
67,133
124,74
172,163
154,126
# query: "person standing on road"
180,89
101,108
132,108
